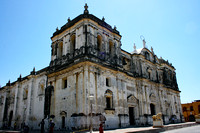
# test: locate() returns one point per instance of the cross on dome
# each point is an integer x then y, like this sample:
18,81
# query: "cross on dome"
86,9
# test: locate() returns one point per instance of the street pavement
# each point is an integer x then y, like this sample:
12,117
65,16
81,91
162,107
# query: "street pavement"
188,127
193,129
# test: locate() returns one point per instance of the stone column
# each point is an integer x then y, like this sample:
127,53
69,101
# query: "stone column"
86,86
15,102
76,88
96,96
117,88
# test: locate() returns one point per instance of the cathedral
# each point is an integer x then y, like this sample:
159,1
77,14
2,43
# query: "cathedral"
91,80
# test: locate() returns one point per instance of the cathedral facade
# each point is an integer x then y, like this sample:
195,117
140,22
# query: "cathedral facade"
90,80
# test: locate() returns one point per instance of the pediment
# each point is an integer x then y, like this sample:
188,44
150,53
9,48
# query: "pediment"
132,99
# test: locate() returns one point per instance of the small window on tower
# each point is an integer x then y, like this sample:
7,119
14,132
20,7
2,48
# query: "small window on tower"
64,83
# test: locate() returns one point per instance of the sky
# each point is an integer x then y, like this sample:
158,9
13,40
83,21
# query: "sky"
171,27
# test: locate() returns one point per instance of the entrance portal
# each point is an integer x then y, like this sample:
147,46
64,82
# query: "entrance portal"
152,107
131,116
47,102
63,122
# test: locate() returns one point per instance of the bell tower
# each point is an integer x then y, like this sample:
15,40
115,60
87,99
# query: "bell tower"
86,35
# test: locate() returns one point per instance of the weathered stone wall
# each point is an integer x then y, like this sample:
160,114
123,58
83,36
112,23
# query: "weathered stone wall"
127,91
24,101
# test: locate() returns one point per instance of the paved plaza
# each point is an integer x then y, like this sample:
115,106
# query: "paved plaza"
187,127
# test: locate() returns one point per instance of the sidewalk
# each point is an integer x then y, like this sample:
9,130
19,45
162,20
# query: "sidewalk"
150,129
127,130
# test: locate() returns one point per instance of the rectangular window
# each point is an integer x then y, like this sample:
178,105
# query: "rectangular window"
199,108
108,82
191,108
64,83
184,109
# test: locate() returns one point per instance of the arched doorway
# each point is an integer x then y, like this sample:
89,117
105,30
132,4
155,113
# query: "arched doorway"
63,122
10,118
63,116
152,108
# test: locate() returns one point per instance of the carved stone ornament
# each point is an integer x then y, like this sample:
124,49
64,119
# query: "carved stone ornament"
152,97
63,113
111,112
132,100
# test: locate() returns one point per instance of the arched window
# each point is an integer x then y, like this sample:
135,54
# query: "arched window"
152,108
111,48
99,43
72,43
63,116
60,50
147,56
109,99
184,109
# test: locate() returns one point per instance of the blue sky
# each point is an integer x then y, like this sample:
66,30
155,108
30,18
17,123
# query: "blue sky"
171,27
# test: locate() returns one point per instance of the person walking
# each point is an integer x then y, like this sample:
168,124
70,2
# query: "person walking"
101,128
15,125
51,126
41,124
26,128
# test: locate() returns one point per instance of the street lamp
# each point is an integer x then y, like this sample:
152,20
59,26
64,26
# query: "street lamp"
91,97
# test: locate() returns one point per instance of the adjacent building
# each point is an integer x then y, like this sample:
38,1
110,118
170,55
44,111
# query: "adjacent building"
91,79
190,110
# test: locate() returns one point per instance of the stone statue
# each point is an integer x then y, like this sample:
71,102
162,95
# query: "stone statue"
157,120
157,117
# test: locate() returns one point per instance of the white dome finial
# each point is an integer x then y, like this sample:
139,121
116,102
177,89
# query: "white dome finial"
134,47
144,42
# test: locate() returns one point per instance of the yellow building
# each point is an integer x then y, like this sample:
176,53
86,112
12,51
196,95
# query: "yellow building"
190,110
